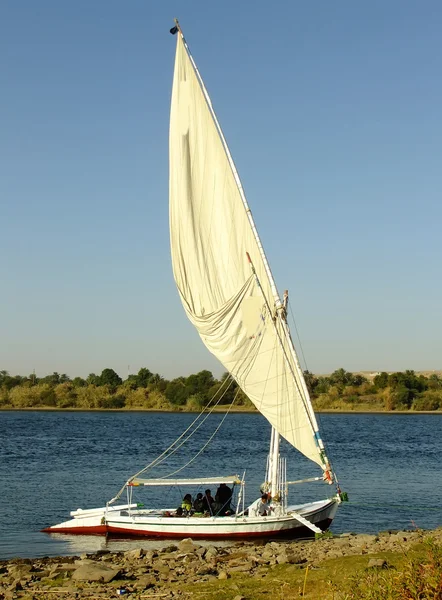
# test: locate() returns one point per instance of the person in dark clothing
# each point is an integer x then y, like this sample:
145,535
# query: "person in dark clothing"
223,497
198,505
208,502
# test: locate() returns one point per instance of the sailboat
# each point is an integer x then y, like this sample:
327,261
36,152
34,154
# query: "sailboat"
228,293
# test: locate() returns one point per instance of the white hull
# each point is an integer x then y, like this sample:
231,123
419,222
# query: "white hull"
118,521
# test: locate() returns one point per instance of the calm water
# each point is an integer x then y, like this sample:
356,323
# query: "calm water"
51,463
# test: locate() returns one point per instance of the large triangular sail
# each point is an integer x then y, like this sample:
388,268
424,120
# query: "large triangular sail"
220,269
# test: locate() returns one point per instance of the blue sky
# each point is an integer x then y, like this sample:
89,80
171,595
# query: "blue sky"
333,113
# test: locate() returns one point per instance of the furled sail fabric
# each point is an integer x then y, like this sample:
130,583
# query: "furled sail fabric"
211,235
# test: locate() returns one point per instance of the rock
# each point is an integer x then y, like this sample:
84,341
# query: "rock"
206,570
144,582
211,552
268,554
134,554
15,586
169,549
239,598
21,571
162,570
85,561
282,559
377,563
244,567
150,555
95,572
259,560
187,545
223,575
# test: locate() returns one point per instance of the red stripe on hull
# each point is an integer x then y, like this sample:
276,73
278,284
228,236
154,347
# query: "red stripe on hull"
285,533
98,530
295,532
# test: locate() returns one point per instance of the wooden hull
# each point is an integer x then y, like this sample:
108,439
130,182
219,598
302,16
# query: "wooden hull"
151,524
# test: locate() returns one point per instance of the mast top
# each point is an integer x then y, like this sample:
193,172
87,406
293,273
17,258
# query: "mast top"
176,28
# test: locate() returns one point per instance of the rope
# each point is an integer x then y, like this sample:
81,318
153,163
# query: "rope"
207,443
168,452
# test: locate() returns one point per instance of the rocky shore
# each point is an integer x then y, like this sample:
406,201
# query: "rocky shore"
178,570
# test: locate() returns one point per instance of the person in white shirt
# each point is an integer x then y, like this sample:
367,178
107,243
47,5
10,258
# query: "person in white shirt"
263,508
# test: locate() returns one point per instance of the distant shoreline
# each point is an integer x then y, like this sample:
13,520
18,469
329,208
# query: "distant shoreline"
216,410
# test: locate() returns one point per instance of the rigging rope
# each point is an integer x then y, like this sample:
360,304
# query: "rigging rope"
168,452
208,441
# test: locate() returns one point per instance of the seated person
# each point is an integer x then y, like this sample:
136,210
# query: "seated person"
222,500
179,512
208,502
198,505
186,504
263,508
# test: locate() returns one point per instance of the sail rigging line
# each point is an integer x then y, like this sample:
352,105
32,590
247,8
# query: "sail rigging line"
208,441
235,173
176,448
163,458
318,416
298,336
173,447
167,452
289,341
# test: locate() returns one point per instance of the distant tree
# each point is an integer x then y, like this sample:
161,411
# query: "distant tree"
358,380
66,394
177,392
110,378
310,381
322,386
9,382
78,382
341,377
434,382
93,379
53,379
144,377
381,381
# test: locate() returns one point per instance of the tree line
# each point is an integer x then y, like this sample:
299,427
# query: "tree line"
144,390
341,390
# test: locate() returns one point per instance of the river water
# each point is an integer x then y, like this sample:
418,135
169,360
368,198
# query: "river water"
54,462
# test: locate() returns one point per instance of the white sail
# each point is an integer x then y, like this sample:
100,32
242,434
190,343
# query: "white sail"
212,234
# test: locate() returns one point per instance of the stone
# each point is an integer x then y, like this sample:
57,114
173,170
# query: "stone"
187,545
144,582
377,563
205,570
223,575
95,572
211,552
134,554
244,567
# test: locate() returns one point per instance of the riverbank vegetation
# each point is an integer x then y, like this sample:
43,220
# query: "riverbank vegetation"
145,390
